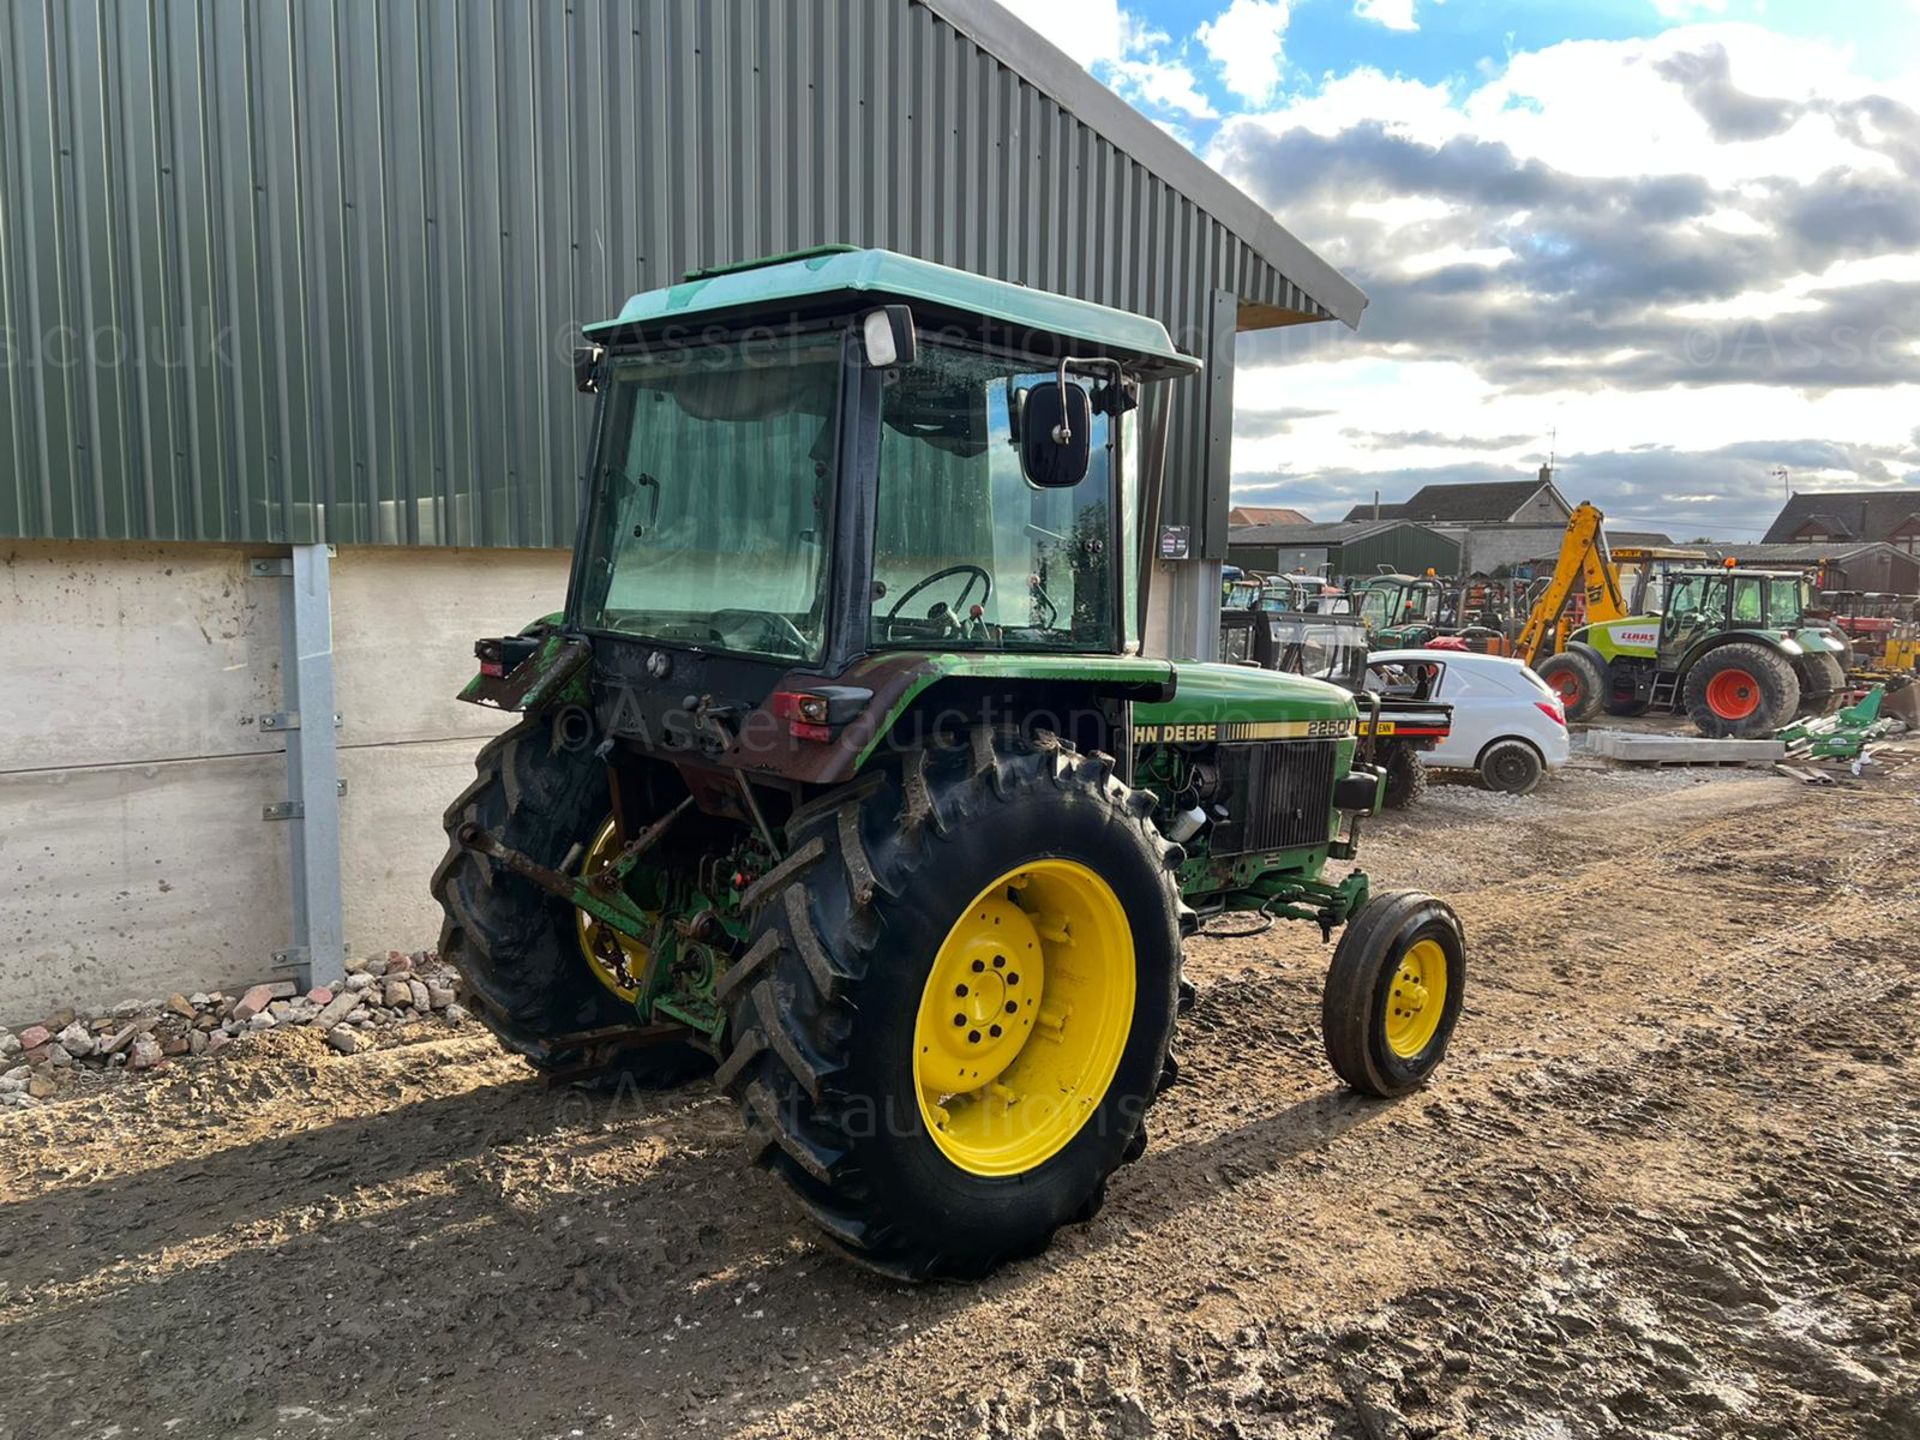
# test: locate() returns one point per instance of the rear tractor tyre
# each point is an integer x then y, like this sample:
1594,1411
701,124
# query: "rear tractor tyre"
1513,767
1580,682
520,951
1741,691
958,1003
1393,994
1406,777
1823,689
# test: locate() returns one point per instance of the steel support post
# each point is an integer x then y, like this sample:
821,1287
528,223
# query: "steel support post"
317,954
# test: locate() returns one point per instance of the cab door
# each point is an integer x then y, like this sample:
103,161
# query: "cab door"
1697,606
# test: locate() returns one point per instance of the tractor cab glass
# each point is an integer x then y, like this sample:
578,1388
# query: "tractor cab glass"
715,485
968,551
1319,649
1698,604
1786,602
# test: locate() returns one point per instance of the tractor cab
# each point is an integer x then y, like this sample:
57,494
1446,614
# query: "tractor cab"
1404,611
1703,602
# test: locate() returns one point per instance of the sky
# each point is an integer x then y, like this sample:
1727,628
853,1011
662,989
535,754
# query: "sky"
1674,244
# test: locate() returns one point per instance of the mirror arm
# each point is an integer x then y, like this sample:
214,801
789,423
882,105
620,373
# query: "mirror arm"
1063,432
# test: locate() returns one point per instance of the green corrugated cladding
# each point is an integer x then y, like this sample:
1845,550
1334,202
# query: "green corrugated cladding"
1409,551
312,271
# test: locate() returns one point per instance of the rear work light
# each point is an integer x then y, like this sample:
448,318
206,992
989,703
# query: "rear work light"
1553,712
806,715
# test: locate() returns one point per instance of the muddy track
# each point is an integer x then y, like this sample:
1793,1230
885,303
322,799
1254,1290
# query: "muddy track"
1662,1188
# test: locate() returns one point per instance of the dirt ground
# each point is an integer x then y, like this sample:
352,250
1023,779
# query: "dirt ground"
1665,1185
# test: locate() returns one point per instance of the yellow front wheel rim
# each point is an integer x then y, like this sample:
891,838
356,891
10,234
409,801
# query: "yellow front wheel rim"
618,961
1417,999
1024,1017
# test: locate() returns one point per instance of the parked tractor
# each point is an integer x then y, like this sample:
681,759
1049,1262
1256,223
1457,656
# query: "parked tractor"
1732,649
1334,647
842,770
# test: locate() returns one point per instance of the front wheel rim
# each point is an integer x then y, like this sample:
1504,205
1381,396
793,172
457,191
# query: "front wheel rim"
1416,999
1024,1017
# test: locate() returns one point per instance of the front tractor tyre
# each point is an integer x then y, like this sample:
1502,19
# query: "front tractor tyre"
1741,691
1393,993
535,969
958,1002
1580,682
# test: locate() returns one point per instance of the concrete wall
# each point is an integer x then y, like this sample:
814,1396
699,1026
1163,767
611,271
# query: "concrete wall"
1543,509
132,767
1486,549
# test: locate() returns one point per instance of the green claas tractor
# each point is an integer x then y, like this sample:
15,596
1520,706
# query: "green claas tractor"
842,771
1732,649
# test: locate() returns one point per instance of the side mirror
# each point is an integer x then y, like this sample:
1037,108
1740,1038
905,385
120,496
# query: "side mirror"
1055,424
888,338
586,368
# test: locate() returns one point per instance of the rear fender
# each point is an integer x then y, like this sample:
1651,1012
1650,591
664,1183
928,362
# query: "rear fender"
538,669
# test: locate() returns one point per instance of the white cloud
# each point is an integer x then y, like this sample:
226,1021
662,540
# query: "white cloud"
1247,41
1091,31
1166,84
1394,14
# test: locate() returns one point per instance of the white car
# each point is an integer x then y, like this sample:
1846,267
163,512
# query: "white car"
1508,724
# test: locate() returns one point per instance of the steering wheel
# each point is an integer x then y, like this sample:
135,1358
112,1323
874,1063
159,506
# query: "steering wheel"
972,572
777,632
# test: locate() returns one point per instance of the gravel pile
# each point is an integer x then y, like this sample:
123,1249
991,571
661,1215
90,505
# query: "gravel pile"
379,993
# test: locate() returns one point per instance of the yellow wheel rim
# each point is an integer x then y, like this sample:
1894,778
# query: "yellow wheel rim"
1024,1017
618,962
1417,999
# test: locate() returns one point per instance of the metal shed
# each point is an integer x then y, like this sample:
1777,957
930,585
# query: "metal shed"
304,272
1353,547
290,275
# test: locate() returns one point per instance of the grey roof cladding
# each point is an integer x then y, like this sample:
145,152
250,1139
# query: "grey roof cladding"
1799,552
1021,49
1338,532
1396,511
1846,514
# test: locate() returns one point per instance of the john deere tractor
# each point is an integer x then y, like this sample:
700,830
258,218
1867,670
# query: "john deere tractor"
1732,650
842,771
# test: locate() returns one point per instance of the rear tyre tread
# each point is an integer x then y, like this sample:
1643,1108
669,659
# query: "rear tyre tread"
1779,691
515,947
792,1022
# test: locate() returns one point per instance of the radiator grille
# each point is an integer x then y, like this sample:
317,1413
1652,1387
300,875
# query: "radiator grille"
1278,795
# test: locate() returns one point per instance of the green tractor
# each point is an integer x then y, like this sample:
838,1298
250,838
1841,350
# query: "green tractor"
1732,650
842,771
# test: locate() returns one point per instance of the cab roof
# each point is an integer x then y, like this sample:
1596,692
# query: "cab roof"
814,282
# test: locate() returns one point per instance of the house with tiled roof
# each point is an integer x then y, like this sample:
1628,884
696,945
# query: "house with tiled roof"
1497,523
1828,517
1265,515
